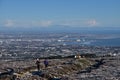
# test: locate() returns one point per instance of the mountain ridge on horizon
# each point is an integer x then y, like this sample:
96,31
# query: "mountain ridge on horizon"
60,28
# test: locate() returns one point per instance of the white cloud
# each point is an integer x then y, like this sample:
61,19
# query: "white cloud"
9,23
45,23
92,22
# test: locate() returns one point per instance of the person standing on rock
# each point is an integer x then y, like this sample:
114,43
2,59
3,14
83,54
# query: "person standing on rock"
38,64
46,63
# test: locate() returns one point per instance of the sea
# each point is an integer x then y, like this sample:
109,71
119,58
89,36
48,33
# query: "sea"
105,42
98,38
96,42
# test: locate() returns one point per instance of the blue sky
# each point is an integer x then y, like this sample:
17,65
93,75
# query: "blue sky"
47,13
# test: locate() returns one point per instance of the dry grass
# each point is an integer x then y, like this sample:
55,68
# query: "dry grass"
57,68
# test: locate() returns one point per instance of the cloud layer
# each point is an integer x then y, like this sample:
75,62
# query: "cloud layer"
48,23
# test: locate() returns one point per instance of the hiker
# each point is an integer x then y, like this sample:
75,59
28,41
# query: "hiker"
38,64
46,63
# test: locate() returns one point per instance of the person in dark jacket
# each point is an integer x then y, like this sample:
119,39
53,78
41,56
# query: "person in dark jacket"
46,63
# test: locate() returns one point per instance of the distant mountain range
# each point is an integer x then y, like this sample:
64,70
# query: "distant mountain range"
60,28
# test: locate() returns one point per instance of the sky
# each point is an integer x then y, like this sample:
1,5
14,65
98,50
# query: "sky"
69,13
